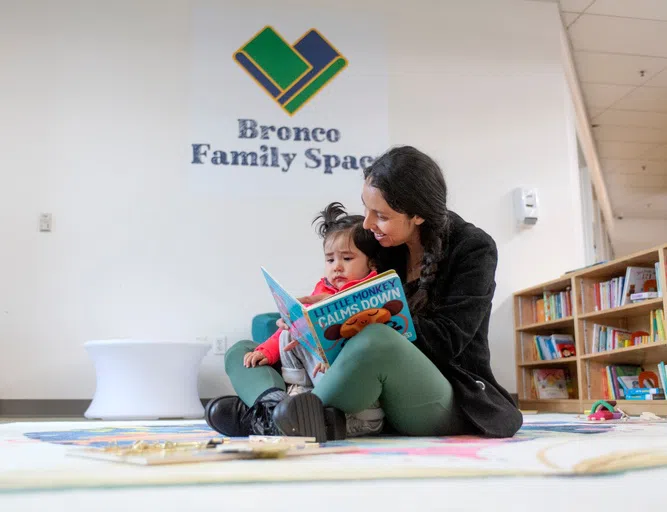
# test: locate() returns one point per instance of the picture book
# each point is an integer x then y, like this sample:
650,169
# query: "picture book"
555,346
324,328
215,450
550,383
638,279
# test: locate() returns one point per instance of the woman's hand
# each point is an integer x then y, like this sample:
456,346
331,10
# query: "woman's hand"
313,299
256,358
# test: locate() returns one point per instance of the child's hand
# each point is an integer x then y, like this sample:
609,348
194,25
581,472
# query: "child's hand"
256,358
281,324
319,367
291,345
313,299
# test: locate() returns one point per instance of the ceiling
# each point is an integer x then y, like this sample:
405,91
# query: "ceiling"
620,54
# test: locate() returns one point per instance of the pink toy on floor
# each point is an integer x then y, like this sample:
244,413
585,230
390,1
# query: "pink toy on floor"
603,411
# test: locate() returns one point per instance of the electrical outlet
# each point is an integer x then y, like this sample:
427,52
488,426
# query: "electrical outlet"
220,345
45,222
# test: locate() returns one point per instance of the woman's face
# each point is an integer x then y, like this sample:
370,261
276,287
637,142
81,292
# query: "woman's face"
389,227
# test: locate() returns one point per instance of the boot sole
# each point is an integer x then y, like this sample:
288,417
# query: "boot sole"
303,416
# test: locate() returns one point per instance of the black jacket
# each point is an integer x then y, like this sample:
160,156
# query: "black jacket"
453,331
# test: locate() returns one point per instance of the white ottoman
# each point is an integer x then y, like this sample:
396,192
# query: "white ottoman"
140,379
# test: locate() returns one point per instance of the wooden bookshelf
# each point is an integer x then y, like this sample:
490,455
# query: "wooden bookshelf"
586,368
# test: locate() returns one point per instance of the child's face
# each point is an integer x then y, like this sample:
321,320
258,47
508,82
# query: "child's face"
343,262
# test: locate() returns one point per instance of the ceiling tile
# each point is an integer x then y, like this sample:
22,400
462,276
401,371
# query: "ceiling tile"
593,112
633,118
619,35
657,153
604,95
635,211
638,166
633,202
609,133
660,80
646,9
569,17
651,181
623,149
574,5
653,99
614,68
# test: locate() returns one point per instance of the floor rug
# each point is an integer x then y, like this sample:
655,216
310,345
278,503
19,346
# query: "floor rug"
35,455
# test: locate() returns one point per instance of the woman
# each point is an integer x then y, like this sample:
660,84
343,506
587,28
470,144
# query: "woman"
441,384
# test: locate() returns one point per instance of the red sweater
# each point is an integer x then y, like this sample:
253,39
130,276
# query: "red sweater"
271,347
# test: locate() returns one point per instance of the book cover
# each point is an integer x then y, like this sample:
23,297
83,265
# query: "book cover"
295,315
343,315
325,327
638,279
550,383
564,343
539,311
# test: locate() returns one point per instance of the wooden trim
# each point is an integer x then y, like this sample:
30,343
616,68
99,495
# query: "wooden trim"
584,132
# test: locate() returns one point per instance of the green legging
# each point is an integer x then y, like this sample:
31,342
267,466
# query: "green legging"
378,363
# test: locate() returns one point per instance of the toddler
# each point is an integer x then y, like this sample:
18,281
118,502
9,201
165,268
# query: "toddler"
349,251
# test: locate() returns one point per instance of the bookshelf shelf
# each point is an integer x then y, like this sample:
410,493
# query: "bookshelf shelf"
563,405
651,353
551,286
547,326
630,310
587,371
550,362
617,267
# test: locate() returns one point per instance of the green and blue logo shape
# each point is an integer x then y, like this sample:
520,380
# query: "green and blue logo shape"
290,74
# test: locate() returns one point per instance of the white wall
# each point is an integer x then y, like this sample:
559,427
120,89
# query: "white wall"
93,120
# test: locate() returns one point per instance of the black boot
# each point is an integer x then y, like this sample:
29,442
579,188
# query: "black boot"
304,415
231,417
225,414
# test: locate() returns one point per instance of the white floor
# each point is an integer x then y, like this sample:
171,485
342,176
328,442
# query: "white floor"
633,491
636,491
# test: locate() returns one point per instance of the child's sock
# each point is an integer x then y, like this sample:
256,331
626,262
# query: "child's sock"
275,394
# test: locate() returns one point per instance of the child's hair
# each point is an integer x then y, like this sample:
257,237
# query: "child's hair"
337,222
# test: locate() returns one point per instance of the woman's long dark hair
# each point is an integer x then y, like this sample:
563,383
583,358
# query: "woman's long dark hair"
412,183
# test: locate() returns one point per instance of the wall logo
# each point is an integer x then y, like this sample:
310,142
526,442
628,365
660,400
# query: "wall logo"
291,74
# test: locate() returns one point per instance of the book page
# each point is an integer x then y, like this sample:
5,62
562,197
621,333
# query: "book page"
293,314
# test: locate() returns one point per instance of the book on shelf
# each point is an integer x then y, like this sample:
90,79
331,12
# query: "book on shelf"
619,290
632,382
551,383
609,338
645,394
642,296
552,306
638,279
615,379
554,346
657,329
